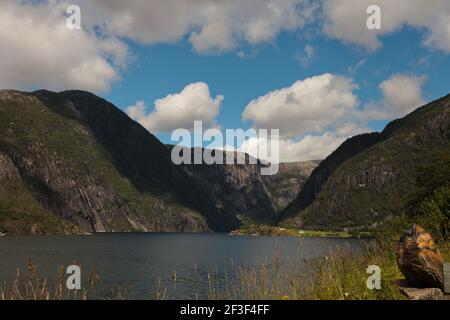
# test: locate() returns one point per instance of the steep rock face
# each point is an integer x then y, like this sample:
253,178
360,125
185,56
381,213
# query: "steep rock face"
73,162
241,190
237,189
285,186
372,176
20,212
70,161
144,160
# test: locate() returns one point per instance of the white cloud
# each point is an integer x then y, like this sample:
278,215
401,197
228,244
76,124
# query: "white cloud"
210,26
401,95
317,114
346,20
308,106
305,57
314,115
308,147
137,112
179,110
37,50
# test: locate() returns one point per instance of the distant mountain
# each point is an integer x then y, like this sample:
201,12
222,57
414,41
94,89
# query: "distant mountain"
371,177
241,190
236,188
284,187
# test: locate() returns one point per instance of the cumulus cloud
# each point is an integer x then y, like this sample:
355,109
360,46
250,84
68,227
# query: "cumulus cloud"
346,20
210,26
317,114
314,115
137,111
308,148
308,106
179,110
39,50
401,95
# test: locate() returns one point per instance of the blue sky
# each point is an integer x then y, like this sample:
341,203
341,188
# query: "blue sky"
309,68
164,69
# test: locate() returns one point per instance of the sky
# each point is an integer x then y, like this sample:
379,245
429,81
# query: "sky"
309,68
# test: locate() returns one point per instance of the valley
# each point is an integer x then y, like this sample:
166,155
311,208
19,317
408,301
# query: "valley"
71,162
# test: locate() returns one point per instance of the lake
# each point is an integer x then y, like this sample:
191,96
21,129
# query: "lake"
144,265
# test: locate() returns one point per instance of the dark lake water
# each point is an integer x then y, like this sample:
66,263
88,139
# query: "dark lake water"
143,264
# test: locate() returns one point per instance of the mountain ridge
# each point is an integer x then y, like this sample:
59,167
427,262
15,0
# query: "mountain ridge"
72,162
371,183
71,171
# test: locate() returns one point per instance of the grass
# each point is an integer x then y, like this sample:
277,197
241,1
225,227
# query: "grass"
343,277
337,276
28,286
265,230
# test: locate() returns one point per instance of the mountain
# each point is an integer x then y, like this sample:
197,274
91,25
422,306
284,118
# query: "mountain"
73,162
242,191
284,186
372,177
236,188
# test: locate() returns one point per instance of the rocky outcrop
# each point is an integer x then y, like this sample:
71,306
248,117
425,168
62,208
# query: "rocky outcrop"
371,177
419,260
20,212
285,186
237,189
241,190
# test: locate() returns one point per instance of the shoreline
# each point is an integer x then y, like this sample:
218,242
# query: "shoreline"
263,232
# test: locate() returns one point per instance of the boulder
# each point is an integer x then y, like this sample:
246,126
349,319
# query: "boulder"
419,260
422,294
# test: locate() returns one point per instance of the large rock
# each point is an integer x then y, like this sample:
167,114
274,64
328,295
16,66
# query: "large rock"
422,294
419,259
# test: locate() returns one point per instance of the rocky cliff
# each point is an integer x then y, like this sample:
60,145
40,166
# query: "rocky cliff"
284,187
237,189
372,177
242,191
74,162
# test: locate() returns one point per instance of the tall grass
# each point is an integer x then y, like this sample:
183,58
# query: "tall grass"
28,286
337,276
340,275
